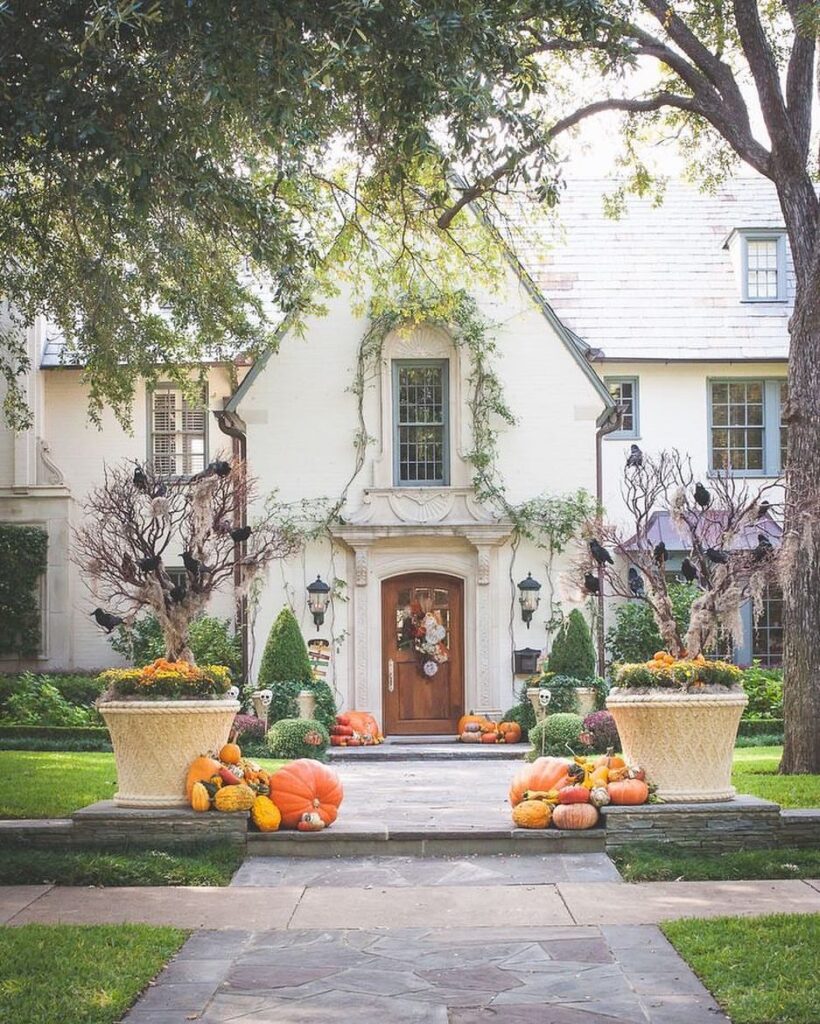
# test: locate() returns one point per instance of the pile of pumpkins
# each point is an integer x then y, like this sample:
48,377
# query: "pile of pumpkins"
568,794
478,729
303,795
355,729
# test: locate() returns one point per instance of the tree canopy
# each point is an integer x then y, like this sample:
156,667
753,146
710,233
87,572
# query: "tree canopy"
175,177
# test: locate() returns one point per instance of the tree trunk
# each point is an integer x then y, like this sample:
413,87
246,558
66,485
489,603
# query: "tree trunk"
801,569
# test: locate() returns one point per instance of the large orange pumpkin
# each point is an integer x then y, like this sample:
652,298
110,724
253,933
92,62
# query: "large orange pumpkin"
544,774
303,787
628,791
200,771
574,816
511,731
363,722
466,719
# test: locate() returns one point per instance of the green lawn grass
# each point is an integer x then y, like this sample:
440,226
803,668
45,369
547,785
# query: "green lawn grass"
755,773
208,865
46,784
668,863
762,970
79,974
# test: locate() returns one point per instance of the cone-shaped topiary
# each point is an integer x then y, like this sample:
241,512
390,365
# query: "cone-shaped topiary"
285,659
572,651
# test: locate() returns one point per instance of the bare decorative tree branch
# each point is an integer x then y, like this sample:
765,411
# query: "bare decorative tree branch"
729,566
132,519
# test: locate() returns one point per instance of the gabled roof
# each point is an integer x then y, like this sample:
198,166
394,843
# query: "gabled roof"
657,283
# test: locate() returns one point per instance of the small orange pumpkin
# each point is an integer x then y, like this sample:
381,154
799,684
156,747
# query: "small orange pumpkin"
628,791
303,787
610,760
489,737
467,720
573,795
230,754
574,816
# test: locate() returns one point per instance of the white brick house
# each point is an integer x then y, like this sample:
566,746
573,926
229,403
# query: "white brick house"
680,311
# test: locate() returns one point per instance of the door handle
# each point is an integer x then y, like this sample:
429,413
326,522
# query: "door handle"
390,676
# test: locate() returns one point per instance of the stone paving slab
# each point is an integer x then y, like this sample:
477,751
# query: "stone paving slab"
179,906
15,898
501,869
515,975
443,906
650,902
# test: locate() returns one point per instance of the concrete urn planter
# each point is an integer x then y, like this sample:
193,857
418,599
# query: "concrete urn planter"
684,741
155,742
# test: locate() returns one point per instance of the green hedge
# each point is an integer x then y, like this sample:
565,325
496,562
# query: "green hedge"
23,560
51,737
761,727
75,687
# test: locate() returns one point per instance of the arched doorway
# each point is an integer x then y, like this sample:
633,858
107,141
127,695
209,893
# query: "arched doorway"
417,701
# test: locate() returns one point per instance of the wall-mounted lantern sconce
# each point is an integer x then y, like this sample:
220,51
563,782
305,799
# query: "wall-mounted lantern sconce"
318,600
529,598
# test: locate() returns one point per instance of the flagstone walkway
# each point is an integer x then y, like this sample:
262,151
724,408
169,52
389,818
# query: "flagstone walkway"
547,938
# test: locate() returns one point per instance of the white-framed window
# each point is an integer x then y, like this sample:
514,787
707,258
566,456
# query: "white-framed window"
624,391
767,638
746,430
763,266
179,432
421,432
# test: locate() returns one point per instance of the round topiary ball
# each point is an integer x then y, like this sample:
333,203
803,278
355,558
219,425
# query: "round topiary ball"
297,737
557,736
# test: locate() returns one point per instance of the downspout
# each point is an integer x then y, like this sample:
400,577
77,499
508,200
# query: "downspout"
611,422
231,425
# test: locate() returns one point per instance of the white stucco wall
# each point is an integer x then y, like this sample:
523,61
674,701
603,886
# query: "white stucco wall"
301,420
79,450
673,413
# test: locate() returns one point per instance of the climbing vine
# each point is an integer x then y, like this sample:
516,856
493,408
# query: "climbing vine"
548,521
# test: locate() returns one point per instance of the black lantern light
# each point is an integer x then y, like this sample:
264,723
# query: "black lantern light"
318,600
529,598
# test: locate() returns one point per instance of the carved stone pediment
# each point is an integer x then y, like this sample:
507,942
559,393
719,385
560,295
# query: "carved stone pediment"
421,506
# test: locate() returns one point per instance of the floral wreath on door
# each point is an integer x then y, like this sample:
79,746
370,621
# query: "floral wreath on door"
423,631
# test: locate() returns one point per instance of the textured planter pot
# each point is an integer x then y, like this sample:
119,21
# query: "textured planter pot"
684,741
155,742
306,702
586,700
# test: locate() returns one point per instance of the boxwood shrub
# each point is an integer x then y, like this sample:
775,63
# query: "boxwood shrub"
297,737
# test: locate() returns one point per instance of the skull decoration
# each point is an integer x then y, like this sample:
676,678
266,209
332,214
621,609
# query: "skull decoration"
544,697
264,697
232,693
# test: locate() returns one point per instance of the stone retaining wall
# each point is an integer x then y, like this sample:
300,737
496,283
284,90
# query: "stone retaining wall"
105,826
743,823
800,827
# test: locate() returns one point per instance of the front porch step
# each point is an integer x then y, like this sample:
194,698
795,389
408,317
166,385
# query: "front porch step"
381,841
438,749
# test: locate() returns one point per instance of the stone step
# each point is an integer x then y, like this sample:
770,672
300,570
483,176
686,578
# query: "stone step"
381,841
438,751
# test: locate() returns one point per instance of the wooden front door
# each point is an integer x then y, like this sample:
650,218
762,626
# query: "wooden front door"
422,654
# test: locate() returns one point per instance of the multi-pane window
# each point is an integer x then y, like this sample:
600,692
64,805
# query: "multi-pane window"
420,422
748,436
761,268
624,391
764,266
178,431
767,638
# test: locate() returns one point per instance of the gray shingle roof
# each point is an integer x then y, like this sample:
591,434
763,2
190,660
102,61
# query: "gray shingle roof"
657,283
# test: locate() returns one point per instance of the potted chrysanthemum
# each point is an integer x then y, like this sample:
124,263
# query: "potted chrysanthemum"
162,716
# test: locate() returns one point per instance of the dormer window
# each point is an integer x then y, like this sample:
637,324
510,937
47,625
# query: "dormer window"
762,264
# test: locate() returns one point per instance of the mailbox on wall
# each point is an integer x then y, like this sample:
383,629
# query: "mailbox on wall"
526,661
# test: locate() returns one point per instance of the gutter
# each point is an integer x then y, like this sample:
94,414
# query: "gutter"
611,422
231,425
